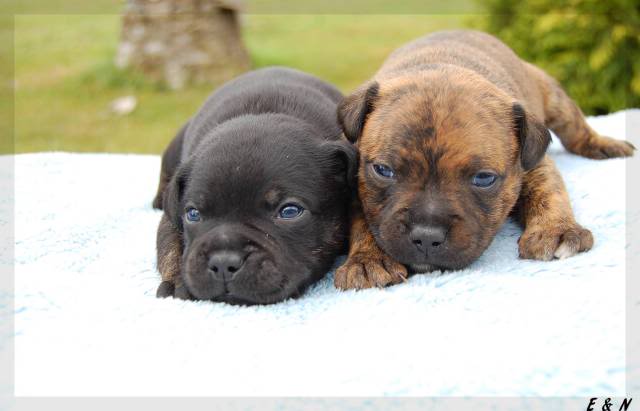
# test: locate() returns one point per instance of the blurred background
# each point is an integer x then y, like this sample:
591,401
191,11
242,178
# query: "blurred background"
126,82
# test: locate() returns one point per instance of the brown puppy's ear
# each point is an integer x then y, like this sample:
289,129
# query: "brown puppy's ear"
354,109
172,201
533,135
344,158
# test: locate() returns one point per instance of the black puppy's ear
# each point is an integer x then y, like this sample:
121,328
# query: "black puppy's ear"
354,109
533,135
172,201
345,156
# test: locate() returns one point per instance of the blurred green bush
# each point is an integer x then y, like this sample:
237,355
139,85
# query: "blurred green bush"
591,46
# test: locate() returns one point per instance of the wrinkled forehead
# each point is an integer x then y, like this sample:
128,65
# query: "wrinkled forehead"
247,173
447,128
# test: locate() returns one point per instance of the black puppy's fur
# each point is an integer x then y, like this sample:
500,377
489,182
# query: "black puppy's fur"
266,139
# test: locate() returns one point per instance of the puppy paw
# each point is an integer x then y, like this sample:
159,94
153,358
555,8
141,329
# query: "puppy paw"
364,270
601,147
165,289
548,242
182,293
169,289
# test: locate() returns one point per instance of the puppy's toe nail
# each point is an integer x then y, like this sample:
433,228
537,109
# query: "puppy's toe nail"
564,251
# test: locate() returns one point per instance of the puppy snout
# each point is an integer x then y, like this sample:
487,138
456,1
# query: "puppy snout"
428,238
224,265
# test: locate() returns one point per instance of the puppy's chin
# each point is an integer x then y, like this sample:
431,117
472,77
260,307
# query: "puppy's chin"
237,294
256,299
421,268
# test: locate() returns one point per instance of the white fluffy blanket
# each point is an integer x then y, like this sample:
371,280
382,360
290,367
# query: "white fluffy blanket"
87,321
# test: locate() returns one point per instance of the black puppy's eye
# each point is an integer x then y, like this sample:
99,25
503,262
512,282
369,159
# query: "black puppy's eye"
383,171
192,215
289,211
484,179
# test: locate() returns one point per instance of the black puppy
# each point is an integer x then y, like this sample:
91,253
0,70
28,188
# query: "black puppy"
255,191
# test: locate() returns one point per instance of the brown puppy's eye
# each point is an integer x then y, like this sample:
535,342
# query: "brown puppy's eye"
383,171
484,179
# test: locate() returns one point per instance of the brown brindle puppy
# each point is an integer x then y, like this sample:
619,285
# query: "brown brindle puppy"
452,133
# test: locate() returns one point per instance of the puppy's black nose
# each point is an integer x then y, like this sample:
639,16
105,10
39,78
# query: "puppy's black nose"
224,265
427,238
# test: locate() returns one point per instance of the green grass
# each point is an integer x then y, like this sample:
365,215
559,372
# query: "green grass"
65,78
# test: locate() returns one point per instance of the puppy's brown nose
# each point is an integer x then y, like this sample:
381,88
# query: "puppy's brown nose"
427,238
223,265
